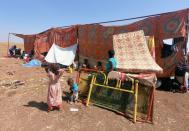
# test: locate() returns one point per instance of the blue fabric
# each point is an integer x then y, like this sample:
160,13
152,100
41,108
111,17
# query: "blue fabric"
75,88
32,63
114,63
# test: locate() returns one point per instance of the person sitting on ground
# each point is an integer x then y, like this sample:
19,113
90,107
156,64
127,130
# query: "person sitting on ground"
54,97
73,95
31,54
181,76
26,58
22,55
86,64
12,50
17,52
112,62
99,66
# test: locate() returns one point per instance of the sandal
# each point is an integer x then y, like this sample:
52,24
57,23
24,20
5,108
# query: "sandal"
59,107
50,109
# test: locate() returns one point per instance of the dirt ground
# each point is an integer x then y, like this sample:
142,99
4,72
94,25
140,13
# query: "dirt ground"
23,107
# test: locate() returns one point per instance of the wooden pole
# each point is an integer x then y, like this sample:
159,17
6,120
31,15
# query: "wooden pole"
77,51
150,107
8,44
136,101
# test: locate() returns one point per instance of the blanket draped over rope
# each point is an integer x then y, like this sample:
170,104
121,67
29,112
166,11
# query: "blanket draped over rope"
64,56
132,54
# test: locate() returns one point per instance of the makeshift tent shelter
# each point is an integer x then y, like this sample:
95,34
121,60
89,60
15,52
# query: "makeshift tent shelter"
95,40
42,42
28,41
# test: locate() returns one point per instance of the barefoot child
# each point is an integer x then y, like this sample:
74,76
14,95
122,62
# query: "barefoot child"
54,97
73,90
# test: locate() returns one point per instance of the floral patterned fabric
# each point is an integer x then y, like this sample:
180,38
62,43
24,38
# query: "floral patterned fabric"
132,53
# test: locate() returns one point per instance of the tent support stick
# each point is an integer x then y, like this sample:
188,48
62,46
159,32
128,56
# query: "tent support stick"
135,102
77,54
150,110
8,44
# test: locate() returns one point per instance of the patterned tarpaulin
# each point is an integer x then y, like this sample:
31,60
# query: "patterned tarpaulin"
28,41
41,42
168,25
132,54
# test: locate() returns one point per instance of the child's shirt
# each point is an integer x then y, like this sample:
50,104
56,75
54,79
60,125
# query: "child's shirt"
75,88
114,64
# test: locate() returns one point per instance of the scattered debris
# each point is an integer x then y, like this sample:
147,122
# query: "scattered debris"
10,73
74,109
12,84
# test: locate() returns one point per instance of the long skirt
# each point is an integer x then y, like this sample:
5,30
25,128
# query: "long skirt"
54,97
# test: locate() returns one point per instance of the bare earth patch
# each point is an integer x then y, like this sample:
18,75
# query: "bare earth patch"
23,107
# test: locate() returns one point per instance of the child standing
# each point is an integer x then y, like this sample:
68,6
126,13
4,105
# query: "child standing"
54,97
73,90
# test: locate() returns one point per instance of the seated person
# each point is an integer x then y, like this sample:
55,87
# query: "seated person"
17,53
73,95
22,55
86,64
12,50
182,76
32,53
112,62
99,66
27,58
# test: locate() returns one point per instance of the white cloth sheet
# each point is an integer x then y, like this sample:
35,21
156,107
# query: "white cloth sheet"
64,56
